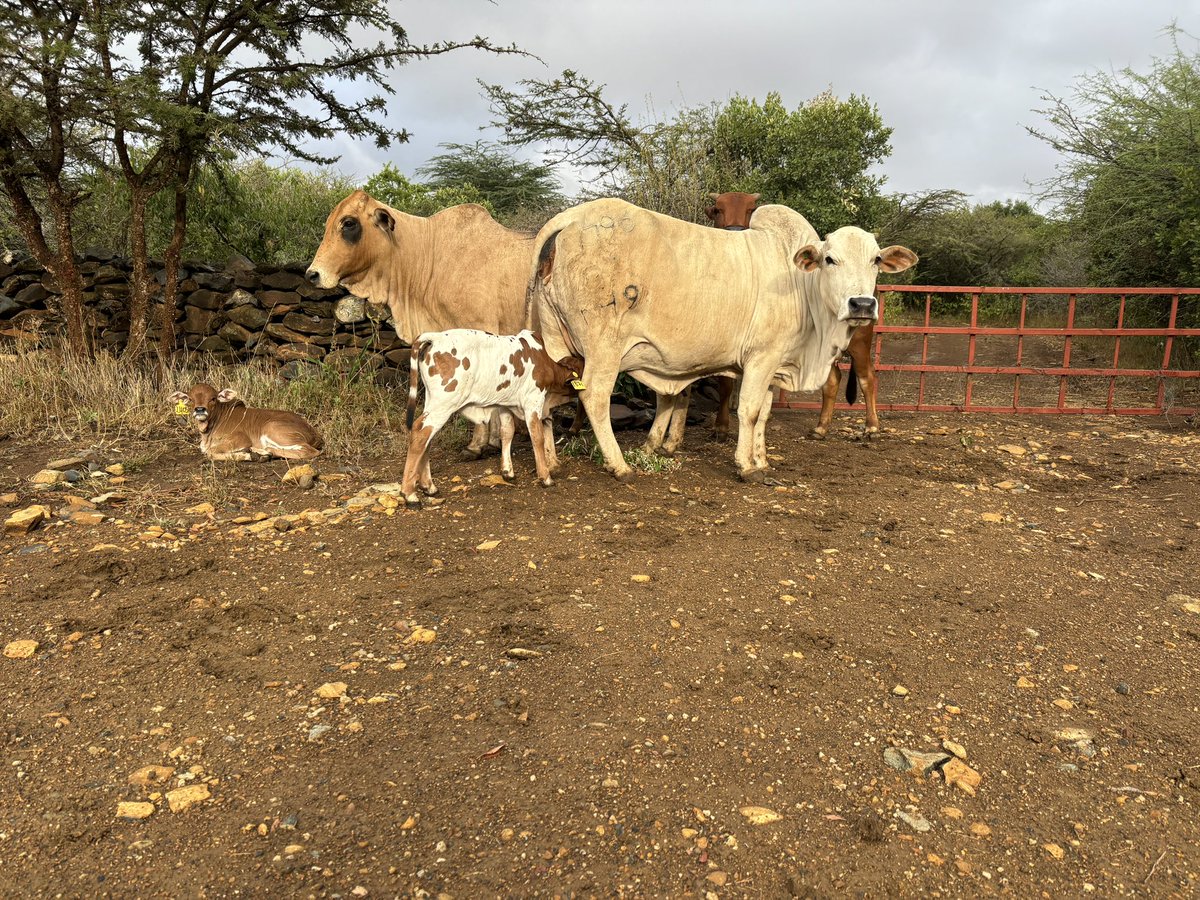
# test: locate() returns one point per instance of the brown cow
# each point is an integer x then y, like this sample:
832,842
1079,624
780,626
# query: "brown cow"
229,429
458,268
732,211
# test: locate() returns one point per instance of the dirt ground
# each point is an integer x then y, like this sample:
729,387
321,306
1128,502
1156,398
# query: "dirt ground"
680,687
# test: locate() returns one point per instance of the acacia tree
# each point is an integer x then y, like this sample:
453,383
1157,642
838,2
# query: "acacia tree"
193,79
1129,183
510,185
46,101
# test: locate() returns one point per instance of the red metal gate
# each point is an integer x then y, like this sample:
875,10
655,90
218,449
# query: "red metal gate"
1160,379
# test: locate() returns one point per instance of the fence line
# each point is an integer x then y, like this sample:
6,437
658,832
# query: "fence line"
897,385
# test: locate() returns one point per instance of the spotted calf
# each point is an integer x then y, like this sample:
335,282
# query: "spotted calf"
475,373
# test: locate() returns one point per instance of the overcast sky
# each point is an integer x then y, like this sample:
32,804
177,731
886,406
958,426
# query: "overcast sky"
956,80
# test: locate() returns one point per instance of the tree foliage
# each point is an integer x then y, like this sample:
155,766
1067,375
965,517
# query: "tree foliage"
510,185
998,244
389,185
816,158
570,115
1129,182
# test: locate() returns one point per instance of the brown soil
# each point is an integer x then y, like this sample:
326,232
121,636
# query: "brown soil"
757,667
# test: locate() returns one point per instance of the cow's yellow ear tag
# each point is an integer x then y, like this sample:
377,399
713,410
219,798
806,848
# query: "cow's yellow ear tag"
577,384
181,408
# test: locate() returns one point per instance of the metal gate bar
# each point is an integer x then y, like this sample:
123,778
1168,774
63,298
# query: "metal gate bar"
1064,372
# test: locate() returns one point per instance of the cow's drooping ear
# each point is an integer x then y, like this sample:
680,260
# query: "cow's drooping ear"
177,397
227,396
896,259
384,219
711,212
808,257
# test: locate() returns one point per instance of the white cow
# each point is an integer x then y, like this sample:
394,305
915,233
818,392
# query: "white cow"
667,301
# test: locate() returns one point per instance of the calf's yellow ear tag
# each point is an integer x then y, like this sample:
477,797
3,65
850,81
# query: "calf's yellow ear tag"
576,383
181,408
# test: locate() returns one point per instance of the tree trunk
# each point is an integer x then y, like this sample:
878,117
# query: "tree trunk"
139,289
70,283
168,310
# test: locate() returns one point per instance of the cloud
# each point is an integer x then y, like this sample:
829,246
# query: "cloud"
957,82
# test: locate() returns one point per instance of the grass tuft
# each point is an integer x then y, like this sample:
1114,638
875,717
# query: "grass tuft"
105,400
584,446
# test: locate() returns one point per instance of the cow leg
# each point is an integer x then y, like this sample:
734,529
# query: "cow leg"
537,437
548,440
508,427
828,398
753,404
233,455
496,430
678,423
479,441
577,422
760,435
864,367
725,398
600,384
295,451
663,416
416,462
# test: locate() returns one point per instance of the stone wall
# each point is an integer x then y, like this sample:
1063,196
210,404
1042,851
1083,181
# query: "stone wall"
237,314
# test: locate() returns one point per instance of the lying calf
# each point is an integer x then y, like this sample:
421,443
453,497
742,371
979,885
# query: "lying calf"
474,373
229,429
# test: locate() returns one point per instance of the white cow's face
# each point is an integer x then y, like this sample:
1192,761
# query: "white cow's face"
847,264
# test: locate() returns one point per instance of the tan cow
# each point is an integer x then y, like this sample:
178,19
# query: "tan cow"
458,268
229,429
669,302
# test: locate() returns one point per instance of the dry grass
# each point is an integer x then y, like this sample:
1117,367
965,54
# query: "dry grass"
105,401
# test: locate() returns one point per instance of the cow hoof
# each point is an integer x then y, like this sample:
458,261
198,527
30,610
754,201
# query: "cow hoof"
753,476
720,437
870,434
817,434
508,476
668,452
624,477
548,482
412,502
471,453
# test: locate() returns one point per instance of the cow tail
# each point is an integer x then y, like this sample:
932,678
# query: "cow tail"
541,278
414,379
852,384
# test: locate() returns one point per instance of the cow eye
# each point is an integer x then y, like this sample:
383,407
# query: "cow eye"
879,260
829,261
351,229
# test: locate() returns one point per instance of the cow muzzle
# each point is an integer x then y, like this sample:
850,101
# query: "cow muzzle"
313,276
200,414
861,310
